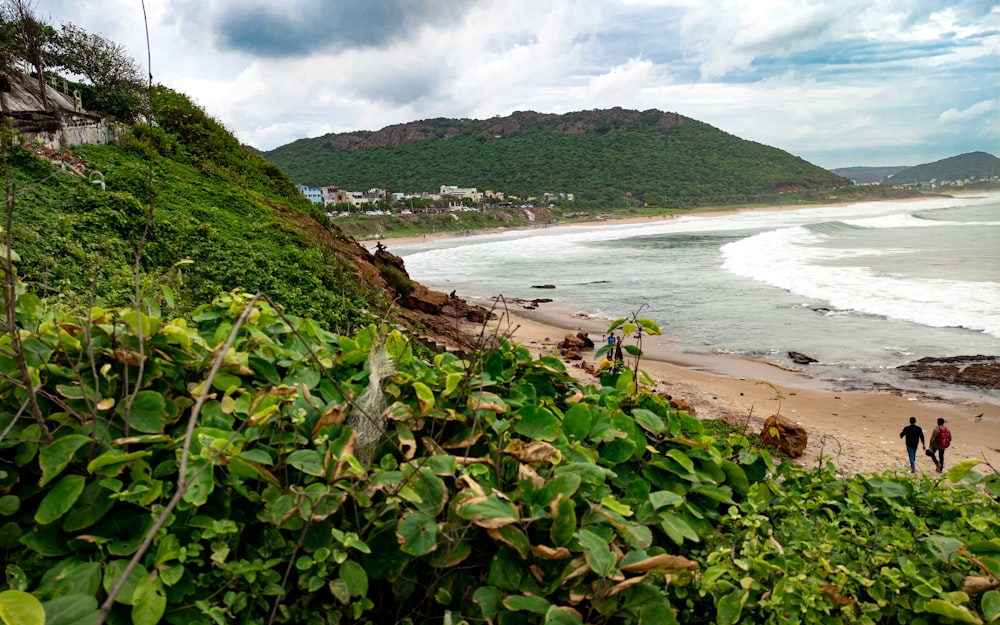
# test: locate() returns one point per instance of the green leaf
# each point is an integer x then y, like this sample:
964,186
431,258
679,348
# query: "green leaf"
648,420
149,601
527,603
112,463
563,521
60,499
425,397
309,461
558,616
730,607
651,327
677,529
597,553
93,504
991,606
75,609
490,512
113,573
488,599
9,504
536,423
200,484
57,455
355,578
20,608
943,547
662,498
577,422
958,613
148,412
451,383
960,470
416,533
226,382
71,577
168,295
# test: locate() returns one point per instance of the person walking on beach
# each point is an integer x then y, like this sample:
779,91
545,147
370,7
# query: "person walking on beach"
940,440
913,435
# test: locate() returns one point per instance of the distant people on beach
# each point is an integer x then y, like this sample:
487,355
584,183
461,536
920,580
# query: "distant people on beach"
913,434
940,440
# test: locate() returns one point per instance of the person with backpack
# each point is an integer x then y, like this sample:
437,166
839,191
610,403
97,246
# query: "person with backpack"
913,434
940,440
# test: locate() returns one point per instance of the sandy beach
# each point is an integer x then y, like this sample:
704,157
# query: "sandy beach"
857,430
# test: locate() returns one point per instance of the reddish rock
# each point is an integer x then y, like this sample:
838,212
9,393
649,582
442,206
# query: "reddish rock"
790,438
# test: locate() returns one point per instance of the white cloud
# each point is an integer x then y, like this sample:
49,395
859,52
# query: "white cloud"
833,82
987,109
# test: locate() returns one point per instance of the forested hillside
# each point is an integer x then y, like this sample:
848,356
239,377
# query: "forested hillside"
979,166
663,159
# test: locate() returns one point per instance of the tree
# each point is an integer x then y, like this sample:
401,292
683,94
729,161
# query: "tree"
115,77
32,37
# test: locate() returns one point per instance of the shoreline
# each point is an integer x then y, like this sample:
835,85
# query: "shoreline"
854,425
707,211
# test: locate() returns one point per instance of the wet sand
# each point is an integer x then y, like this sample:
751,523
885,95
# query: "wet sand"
855,428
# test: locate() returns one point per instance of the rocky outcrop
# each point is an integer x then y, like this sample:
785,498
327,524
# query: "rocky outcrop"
577,341
972,371
789,437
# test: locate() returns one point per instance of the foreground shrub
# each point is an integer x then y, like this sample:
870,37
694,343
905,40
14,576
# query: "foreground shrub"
257,468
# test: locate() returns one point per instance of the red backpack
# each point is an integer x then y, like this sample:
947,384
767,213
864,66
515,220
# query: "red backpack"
943,437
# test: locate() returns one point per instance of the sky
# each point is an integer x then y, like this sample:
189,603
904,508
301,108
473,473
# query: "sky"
837,82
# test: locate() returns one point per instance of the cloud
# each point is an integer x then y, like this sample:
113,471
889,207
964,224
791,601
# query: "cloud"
265,29
987,109
836,82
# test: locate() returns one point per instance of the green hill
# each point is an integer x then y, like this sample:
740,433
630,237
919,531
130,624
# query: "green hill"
868,175
663,159
974,166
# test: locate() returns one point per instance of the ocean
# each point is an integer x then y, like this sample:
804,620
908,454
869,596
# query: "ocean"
862,288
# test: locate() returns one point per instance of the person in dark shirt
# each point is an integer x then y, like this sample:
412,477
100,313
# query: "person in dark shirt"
913,435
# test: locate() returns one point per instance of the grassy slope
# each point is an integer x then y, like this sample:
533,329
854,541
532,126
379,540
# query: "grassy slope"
237,218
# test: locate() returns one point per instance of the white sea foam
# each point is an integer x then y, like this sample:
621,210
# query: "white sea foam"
903,279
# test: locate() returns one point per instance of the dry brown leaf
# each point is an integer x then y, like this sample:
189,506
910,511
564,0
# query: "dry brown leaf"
662,562
978,584
524,472
548,553
535,452
334,415
834,593
617,588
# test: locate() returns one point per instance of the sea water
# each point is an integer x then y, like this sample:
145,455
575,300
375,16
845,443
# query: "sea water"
863,287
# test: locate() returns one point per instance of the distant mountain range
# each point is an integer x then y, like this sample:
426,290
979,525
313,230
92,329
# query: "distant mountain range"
974,166
600,156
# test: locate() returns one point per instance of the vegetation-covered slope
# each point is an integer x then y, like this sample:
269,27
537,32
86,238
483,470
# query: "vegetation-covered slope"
222,218
974,165
660,158
867,175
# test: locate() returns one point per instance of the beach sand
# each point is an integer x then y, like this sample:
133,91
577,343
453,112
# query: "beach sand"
856,429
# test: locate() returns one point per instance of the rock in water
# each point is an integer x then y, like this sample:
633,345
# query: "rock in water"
800,358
